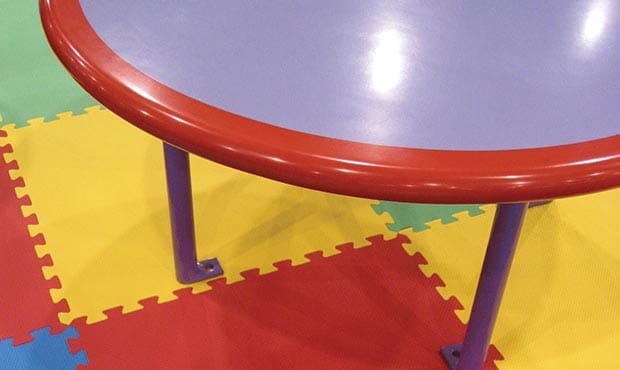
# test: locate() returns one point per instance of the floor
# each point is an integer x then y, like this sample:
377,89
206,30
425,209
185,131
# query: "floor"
311,281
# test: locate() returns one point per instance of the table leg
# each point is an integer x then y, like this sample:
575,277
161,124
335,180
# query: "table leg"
500,251
188,269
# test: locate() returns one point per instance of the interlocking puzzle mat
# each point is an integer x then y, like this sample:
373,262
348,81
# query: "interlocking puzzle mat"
372,262
562,302
416,216
32,81
458,267
25,302
321,282
46,351
366,308
99,192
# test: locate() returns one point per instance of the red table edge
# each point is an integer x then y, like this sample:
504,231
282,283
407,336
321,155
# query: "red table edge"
321,163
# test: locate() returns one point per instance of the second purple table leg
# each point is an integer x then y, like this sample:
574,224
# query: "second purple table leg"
188,269
497,261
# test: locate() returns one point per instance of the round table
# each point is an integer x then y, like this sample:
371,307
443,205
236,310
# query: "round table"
415,101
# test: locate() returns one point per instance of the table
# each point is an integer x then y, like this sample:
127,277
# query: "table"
415,101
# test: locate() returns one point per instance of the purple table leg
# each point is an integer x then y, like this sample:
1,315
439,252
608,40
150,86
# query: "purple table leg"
188,269
495,269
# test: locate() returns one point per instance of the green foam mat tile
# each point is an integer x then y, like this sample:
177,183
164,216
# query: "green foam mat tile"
34,84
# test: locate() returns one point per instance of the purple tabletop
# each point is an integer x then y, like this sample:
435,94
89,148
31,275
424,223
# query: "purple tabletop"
480,75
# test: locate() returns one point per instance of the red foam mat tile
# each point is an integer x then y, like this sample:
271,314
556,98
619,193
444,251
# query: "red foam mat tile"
25,302
364,308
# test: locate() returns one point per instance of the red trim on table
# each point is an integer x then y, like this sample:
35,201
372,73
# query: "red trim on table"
327,164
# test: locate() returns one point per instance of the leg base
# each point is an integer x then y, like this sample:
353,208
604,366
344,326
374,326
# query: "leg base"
451,355
203,270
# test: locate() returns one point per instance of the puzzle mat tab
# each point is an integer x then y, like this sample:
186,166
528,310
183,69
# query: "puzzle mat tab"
37,85
561,303
97,186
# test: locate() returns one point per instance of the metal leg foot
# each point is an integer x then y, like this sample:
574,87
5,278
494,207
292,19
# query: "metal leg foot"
188,268
495,269
451,355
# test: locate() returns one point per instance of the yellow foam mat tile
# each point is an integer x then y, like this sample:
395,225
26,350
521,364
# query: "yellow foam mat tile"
97,186
562,302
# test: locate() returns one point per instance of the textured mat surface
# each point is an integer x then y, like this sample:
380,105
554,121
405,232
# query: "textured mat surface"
562,305
368,308
99,190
